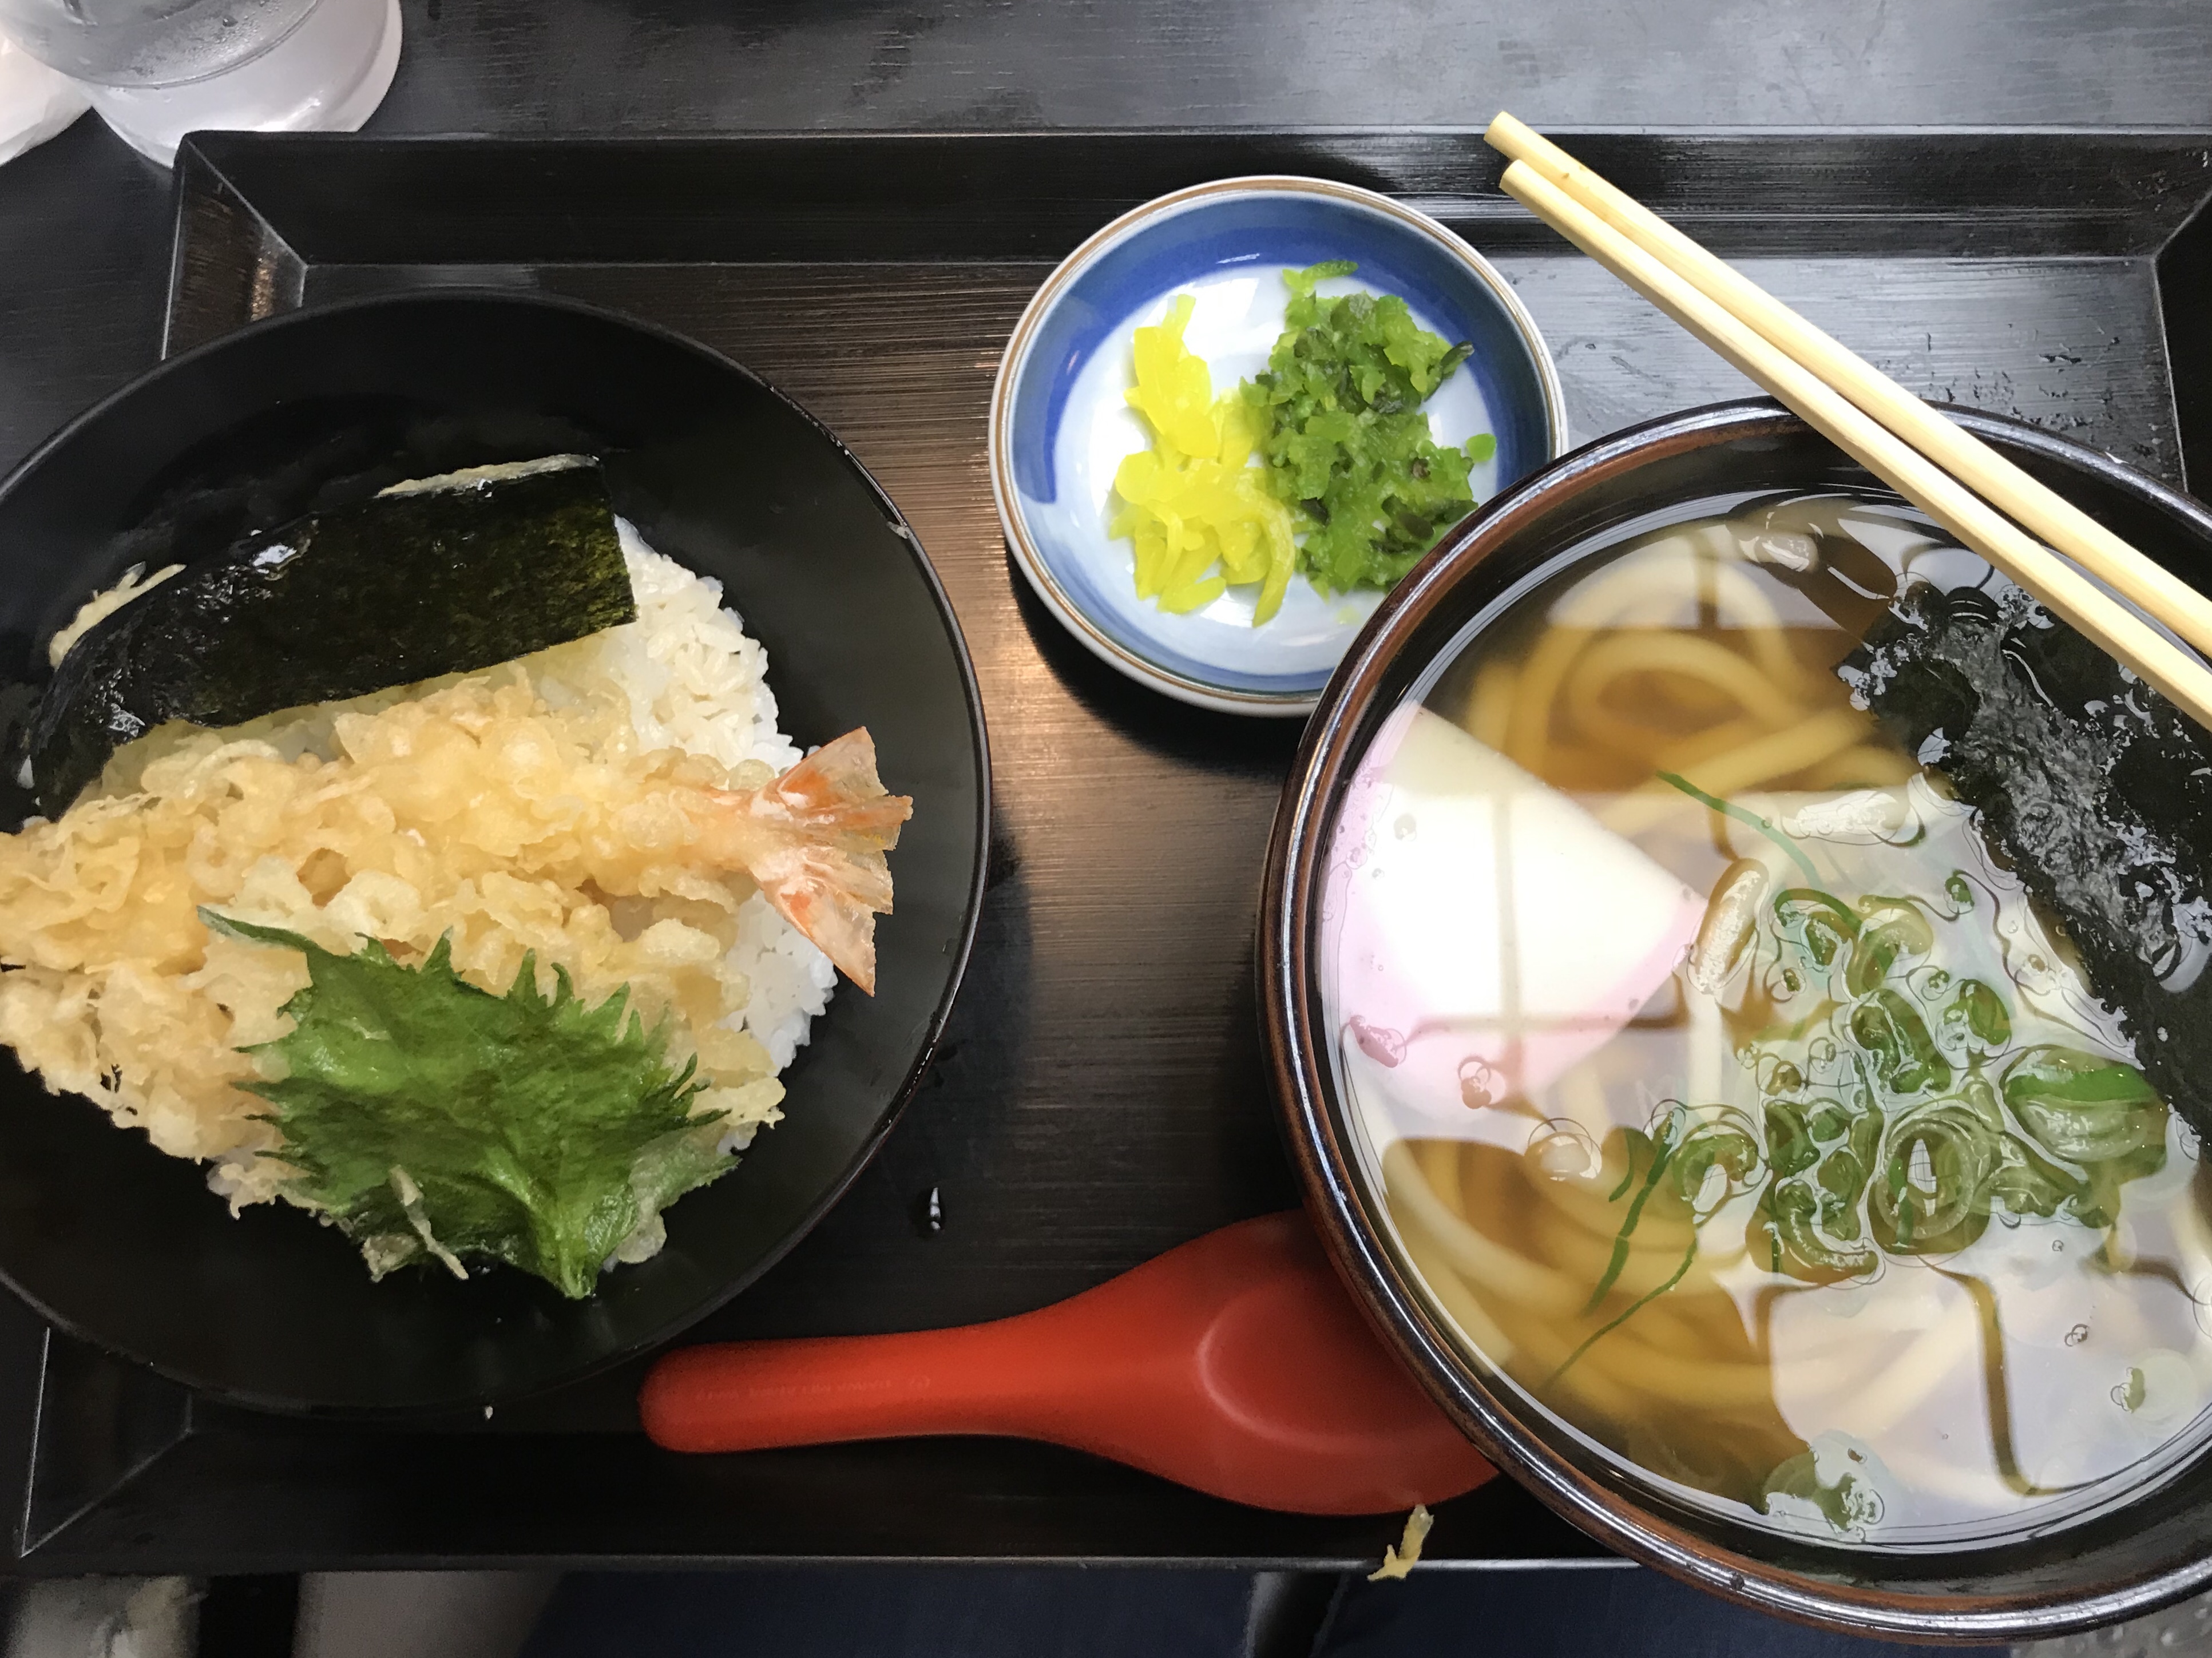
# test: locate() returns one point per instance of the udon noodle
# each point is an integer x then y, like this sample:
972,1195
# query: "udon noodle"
1855,1218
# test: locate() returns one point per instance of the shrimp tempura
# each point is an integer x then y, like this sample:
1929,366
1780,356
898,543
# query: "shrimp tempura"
476,813
814,839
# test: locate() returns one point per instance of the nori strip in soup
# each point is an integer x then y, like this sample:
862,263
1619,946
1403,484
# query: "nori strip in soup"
442,576
2092,786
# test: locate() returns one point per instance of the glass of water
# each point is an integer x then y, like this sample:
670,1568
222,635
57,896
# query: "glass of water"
159,68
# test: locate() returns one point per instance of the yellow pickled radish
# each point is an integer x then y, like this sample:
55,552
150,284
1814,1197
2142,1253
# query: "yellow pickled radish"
1193,501
1196,596
1173,391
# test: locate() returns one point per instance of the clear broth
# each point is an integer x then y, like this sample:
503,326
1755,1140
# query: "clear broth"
1792,1239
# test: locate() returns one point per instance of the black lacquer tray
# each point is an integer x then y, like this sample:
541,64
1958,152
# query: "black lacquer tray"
1099,1095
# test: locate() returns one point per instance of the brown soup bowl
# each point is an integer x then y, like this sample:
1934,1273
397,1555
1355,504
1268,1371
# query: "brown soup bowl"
2149,1547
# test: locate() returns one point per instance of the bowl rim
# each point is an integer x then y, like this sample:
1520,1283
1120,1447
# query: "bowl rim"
1098,641
1335,1194
900,1095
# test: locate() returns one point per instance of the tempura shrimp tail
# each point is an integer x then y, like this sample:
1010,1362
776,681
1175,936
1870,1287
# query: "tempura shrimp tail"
814,839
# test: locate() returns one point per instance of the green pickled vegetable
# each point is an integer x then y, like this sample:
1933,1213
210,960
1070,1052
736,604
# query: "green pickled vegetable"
1344,439
428,1118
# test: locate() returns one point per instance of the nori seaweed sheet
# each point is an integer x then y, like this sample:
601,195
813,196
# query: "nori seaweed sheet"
2090,785
387,592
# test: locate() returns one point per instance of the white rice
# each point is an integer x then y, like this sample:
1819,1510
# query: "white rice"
162,1053
697,681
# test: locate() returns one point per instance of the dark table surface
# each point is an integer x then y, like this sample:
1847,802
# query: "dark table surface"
85,223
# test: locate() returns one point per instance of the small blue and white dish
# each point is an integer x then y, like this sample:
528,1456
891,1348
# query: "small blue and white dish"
1060,424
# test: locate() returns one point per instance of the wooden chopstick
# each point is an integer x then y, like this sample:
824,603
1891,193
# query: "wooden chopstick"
1958,452
2179,675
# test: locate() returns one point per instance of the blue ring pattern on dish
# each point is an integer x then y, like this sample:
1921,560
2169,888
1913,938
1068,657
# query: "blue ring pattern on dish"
1097,303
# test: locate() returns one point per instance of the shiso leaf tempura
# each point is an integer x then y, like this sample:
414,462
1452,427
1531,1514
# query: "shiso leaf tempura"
492,966
425,1115
1324,464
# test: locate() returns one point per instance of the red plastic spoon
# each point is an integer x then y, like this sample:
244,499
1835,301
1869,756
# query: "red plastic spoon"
1236,1364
